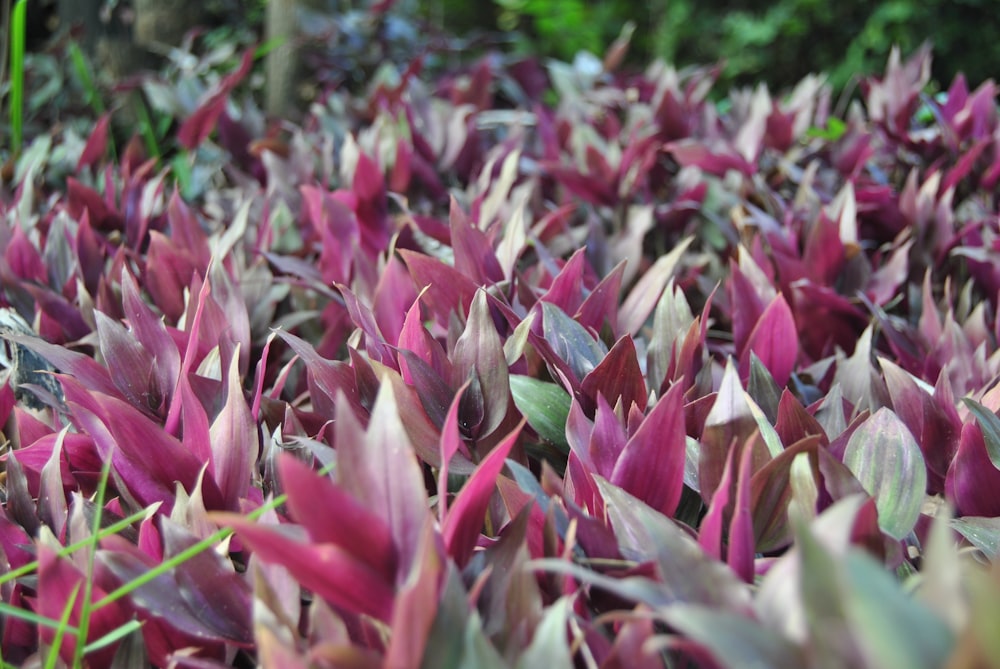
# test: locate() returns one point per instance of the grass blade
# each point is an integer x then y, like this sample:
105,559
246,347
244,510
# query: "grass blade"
52,659
16,110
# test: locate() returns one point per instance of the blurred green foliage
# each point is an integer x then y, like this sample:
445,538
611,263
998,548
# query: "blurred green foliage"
778,41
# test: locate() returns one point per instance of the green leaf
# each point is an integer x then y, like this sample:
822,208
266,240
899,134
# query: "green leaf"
734,640
545,405
981,532
886,459
548,647
571,341
989,423
894,630
834,130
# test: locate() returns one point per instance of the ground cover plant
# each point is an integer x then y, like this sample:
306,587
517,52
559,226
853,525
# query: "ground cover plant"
452,375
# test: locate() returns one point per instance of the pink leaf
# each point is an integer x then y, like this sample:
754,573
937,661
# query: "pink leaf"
96,145
973,479
775,341
57,579
234,440
447,289
618,377
710,530
651,466
740,551
330,571
474,256
416,607
464,521
382,472
333,516
197,127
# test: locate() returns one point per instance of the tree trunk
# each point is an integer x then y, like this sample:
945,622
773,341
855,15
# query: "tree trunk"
284,63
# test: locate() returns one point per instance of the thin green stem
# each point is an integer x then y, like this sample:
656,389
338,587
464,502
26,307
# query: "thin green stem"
32,566
53,656
88,588
17,31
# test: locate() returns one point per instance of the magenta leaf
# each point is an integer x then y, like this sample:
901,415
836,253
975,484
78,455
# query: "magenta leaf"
58,577
330,571
416,604
651,466
741,544
447,290
774,339
382,472
461,527
96,145
333,516
200,124
234,441
149,461
566,290
973,478
474,256
618,377
479,353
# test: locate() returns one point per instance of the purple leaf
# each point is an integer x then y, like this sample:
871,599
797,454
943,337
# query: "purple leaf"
330,571
234,440
333,516
600,307
618,377
149,461
651,466
130,365
607,443
447,289
741,546
197,127
710,532
382,472
774,340
58,578
794,422
416,605
461,527
153,335
566,290
973,479
96,145
479,352
474,256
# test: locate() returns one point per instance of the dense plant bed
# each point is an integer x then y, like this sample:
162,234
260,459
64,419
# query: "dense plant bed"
446,376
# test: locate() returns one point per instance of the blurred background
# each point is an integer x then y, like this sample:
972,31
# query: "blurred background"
775,41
